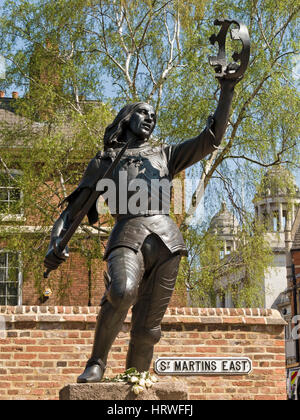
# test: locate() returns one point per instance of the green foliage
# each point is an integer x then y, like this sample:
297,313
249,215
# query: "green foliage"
277,182
59,52
208,272
50,160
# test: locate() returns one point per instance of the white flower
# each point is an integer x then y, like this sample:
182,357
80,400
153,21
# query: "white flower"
134,379
137,389
148,383
153,378
142,382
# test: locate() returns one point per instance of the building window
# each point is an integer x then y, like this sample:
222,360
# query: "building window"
10,194
10,278
228,250
288,329
284,218
275,221
221,302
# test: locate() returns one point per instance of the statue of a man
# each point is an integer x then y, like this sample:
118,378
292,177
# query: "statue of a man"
144,249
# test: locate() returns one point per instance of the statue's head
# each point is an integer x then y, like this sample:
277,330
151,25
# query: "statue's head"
139,119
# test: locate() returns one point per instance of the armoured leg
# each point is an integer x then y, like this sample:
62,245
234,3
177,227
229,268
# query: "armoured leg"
125,268
154,297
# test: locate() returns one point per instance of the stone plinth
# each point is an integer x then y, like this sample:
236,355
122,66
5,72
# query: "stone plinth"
122,391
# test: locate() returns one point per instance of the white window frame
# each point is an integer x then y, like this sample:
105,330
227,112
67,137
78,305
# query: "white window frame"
6,217
19,275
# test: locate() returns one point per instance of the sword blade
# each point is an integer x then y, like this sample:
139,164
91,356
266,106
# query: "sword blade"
93,197
85,209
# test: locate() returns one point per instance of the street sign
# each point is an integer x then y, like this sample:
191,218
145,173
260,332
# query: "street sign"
203,365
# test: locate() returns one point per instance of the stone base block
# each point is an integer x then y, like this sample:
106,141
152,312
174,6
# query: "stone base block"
122,391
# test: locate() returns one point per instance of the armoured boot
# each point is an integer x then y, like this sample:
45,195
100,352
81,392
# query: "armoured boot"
93,372
109,323
139,357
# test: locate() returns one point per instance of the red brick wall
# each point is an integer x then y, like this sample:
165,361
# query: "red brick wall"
45,348
69,284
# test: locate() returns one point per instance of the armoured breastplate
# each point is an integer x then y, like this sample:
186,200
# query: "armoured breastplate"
141,183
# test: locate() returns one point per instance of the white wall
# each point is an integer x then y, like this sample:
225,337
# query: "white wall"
275,280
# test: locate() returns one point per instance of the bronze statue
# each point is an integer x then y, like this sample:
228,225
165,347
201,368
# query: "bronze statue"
145,246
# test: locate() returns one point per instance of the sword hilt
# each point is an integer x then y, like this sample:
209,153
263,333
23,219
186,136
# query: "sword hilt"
47,272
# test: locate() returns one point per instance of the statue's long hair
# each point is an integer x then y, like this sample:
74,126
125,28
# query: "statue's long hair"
114,135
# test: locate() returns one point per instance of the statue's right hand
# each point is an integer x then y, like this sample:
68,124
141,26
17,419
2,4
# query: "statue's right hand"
54,256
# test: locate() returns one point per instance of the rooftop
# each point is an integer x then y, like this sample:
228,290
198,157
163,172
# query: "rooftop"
277,182
224,222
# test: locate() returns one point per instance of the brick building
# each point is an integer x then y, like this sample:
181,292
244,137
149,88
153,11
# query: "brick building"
86,286
79,281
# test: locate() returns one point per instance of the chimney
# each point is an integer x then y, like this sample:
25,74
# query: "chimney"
15,95
2,94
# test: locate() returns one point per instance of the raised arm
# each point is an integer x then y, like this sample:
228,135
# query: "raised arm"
191,151
221,115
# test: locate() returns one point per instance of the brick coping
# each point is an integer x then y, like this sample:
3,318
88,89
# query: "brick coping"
87,314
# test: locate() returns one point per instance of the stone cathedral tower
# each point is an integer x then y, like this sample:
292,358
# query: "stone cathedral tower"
225,225
276,204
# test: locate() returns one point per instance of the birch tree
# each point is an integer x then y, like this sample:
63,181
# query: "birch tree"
118,51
